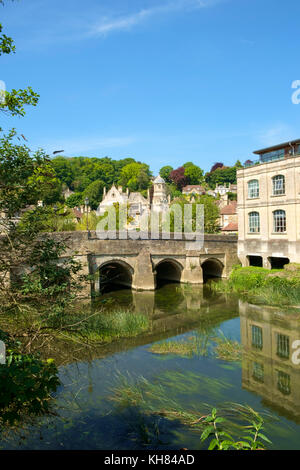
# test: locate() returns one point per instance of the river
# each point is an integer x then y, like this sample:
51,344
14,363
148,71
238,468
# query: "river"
126,395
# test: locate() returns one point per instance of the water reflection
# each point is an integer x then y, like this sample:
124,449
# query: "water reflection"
267,334
267,379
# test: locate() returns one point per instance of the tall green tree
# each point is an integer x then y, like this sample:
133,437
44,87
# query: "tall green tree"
165,173
135,176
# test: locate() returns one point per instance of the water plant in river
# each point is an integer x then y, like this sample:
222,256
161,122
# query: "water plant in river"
155,399
228,350
183,348
105,327
222,440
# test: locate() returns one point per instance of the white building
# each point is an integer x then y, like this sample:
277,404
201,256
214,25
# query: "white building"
138,204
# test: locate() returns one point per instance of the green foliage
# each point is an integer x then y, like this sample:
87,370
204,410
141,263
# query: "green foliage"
15,100
222,440
93,220
94,193
223,175
47,219
165,173
102,327
211,212
25,177
26,384
135,176
193,173
50,276
6,43
75,200
276,287
78,173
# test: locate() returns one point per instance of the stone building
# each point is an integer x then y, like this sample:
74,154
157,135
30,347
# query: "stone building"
138,204
193,189
229,217
269,207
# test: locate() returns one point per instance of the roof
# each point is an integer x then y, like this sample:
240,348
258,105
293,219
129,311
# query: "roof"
159,179
277,147
77,213
137,197
230,209
193,186
232,227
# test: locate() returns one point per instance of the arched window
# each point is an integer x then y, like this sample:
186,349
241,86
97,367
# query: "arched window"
278,185
253,189
254,222
279,218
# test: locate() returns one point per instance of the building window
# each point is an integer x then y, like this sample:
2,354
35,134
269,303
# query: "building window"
257,337
283,382
272,156
278,185
283,346
258,371
279,221
253,189
254,222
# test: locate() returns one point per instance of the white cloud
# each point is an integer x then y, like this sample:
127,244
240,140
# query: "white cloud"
278,133
108,25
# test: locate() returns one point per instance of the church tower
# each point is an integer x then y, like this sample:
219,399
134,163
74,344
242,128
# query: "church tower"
160,199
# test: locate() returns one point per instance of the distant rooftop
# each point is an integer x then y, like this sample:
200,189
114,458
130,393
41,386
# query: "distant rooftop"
276,152
278,147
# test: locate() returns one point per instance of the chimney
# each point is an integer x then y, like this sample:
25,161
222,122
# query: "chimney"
120,189
104,191
127,191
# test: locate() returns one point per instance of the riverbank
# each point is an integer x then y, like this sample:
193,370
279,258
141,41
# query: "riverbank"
262,286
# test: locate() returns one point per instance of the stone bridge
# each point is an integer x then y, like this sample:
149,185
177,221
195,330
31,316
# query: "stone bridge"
143,264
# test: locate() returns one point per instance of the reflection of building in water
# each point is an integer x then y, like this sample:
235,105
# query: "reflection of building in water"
267,336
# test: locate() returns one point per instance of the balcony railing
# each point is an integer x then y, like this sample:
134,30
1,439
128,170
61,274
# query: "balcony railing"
270,159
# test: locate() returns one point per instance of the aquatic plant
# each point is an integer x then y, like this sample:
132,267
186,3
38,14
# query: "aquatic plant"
105,327
228,350
222,440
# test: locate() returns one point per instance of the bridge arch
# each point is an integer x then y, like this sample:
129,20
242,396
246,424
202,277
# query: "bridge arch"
168,270
114,274
212,268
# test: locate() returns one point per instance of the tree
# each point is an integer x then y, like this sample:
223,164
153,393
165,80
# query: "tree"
225,175
194,174
135,176
75,200
165,173
216,166
13,102
211,212
64,170
94,193
178,178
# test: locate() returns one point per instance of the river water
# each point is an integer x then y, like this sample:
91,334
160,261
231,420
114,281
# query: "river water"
126,396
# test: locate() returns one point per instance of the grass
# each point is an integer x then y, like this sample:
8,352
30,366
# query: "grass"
262,286
106,327
228,350
160,398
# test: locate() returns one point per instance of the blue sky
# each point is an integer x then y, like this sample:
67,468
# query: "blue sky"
164,82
